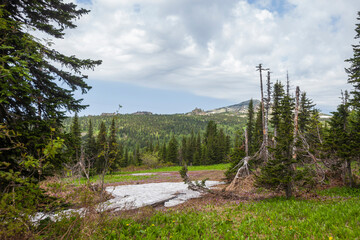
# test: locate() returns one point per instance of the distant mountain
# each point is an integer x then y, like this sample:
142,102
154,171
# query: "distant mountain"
240,108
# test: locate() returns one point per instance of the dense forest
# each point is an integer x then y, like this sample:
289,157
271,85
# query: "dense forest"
139,130
283,145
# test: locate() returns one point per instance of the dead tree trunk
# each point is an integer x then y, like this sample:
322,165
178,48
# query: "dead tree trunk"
266,118
246,142
296,125
263,148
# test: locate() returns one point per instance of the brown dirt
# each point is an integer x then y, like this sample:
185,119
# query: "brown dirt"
211,175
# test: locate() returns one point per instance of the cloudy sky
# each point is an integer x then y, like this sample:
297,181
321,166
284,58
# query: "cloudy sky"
170,56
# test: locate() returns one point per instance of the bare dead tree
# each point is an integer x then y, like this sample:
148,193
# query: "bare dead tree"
296,118
246,142
287,84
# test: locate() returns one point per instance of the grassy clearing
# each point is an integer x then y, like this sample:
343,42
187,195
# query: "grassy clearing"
118,178
276,218
124,176
223,166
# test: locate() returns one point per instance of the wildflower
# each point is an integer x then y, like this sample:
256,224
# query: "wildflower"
270,221
152,225
127,224
330,238
290,227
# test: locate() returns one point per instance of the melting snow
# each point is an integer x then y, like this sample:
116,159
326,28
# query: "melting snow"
135,196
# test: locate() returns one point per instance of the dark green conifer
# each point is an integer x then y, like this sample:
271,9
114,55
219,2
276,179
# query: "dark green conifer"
279,171
172,151
76,137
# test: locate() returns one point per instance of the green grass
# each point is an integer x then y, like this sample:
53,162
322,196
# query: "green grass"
341,192
125,177
117,178
275,218
223,166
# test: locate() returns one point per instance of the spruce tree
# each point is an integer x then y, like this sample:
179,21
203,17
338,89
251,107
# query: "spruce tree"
339,139
37,82
278,172
354,70
354,79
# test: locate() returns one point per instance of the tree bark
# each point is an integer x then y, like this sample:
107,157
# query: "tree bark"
296,125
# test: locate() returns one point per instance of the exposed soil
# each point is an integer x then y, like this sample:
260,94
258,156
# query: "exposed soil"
157,177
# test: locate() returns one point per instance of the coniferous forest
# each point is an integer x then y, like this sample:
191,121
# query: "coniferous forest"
289,173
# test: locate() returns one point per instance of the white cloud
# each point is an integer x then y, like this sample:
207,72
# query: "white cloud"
211,47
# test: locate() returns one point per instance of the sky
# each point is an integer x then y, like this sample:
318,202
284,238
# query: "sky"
170,56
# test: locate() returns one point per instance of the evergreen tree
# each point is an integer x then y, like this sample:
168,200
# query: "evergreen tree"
76,137
90,147
354,79
113,147
305,111
250,124
339,140
198,150
354,70
33,99
258,133
183,151
172,151
279,172
102,148
163,152
278,95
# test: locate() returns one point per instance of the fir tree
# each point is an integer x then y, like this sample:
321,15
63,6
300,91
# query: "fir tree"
305,111
33,97
278,95
278,172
